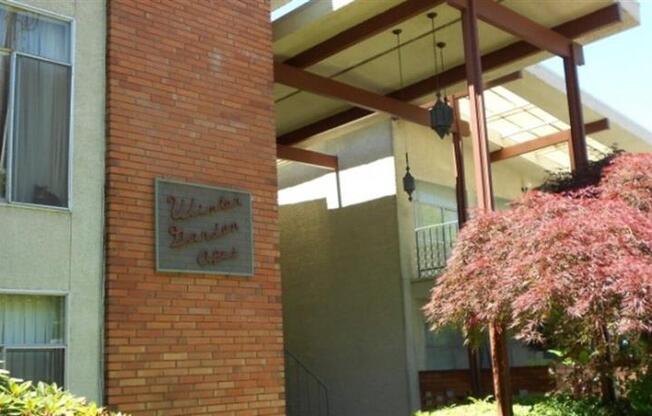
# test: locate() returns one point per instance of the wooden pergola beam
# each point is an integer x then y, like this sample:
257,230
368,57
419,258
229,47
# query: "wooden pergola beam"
546,141
307,157
505,79
512,22
316,84
511,53
370,27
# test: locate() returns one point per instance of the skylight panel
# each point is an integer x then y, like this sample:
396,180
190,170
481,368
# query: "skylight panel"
544,130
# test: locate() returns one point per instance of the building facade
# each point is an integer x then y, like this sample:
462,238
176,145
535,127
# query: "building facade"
52,209
140,181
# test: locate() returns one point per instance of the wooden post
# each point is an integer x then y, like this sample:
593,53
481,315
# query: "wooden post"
577,146
484,190
458,155
462,216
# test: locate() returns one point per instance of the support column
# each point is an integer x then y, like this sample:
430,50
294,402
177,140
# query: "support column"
458,155
577,146
460,195
482,162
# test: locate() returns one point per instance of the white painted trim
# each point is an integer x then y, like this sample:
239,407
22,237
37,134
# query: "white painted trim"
66,335
33,9
42,58
34,292
27,205
32,347
71,111
9,175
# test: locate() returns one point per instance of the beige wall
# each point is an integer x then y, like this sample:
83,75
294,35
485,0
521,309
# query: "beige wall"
343,312
62,250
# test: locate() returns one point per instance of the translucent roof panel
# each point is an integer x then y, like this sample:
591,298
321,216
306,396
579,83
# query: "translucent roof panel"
511,119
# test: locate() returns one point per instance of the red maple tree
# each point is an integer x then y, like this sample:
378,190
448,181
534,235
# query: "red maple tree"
570,270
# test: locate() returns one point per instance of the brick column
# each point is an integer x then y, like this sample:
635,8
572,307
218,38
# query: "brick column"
190,98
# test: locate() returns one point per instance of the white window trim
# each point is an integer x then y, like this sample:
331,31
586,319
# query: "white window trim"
66,331
71,113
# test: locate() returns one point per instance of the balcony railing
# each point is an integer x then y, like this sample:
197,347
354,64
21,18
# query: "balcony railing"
434,247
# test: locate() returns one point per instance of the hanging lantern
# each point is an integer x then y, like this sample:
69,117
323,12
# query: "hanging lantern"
441,114
409,184
441,117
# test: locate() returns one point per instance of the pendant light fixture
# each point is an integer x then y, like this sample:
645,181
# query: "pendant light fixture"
409,183
441,114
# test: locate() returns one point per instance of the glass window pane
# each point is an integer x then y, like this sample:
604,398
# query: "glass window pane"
31,320
36,365
41,126
7,19
34,34
5,61
445,350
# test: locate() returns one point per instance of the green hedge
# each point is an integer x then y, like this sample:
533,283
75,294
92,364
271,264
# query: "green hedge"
18,398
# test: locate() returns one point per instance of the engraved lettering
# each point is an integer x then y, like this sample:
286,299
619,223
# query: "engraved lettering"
211,258
183,209
181,238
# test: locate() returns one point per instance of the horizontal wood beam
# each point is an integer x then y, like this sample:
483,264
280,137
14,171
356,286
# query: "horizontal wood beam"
505,79
512,22
546,141
316,84
307,157
370,27
511,53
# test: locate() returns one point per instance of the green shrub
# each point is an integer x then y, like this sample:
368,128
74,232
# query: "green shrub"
18,398
555,405
639,393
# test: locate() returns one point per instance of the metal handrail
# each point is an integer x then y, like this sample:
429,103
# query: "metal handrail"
299,404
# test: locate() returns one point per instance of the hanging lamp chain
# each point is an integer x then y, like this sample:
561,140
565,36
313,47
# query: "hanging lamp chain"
441,46
398,32
409,183
432,17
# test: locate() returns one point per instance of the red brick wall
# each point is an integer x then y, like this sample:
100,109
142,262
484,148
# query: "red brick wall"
190,98
444,387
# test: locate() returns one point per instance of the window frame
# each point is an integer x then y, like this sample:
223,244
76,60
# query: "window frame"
7,199
65,296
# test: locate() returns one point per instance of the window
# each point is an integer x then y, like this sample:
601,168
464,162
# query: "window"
32,342
35,95
445,349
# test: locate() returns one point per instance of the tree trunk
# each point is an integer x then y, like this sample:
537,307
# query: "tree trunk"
607,385
500,369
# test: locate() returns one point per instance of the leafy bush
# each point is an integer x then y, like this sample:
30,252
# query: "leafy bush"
556,405
639,393
18,398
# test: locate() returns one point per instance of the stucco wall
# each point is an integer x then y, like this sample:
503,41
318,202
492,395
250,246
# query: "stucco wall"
342,304
57,250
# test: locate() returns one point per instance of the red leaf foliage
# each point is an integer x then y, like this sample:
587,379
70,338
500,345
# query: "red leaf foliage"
557,264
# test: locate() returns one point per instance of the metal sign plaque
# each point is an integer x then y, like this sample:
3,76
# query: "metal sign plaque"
203,229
